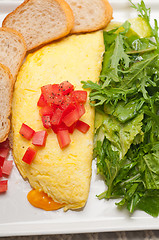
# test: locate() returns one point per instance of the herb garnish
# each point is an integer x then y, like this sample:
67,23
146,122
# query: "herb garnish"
126,100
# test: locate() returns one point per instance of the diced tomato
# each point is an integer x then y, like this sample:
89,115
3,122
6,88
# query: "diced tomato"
3,155
82,126
0,172
63,137
7,167
58,100
26,131
67,101
81,110
80,96
50,91
59,127
57,117
41,102
47,111
66,87
39,138
5,144
3,186
29,155
68,108
72,128
47,93
71,118
46,121
56,89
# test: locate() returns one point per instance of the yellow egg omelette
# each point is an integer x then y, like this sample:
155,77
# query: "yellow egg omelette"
63,174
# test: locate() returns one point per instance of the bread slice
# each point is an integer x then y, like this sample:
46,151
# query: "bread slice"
41,21
12,50
90,15
6,90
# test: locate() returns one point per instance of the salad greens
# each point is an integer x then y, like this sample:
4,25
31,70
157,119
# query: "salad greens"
126,99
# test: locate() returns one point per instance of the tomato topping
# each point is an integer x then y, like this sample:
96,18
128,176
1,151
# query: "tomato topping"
7,167
72,128
71,118
81,110
47,111
4,144
29,155
39,138
80,96
57,117
42,102
58,100
46,121
26,131
0,172
63,137
3,186
59,127
66,87
56,90
64,108
3,155
50,92
82,126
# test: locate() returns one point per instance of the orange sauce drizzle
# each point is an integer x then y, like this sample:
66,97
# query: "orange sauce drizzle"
41,200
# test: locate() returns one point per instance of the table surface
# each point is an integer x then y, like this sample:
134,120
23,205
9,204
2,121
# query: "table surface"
137,235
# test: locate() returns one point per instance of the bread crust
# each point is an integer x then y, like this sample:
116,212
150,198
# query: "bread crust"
66,9
108,16
10,94
13,31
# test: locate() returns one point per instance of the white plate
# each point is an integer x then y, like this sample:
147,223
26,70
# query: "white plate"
18,217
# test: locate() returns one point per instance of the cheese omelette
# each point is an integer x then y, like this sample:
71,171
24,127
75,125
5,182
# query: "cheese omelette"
63,174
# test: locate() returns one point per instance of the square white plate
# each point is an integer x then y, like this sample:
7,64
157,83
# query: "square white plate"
18,217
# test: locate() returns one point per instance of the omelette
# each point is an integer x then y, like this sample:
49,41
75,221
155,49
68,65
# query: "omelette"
63,174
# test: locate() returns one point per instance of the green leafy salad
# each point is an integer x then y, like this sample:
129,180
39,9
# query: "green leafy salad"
126,100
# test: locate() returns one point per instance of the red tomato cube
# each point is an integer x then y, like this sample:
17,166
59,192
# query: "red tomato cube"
58,100
7,167
66,87
0,172
29,155
3,155
66,102
26,131
81,110
71,118
57,117
47,111
72,128
46,121
41,102
39,138
50,91
80,96
68,108
63,137
5,144
3,186
82,126
59,127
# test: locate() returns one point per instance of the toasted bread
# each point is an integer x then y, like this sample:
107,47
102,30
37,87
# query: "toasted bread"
6,90
12,50
41,21
90,15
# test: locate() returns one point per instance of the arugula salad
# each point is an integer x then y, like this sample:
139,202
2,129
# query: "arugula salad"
126,100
